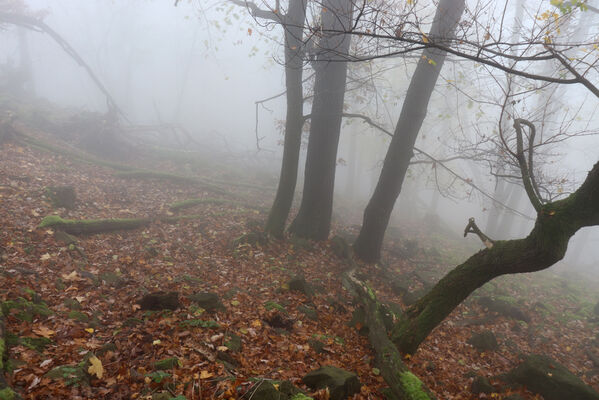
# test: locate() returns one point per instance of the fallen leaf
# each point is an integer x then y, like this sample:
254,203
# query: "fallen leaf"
43,331
96,367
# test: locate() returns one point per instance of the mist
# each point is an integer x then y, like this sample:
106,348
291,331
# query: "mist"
220,167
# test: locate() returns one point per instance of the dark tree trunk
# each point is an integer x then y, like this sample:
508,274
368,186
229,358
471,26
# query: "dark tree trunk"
545,245
295,119
314,217
376,216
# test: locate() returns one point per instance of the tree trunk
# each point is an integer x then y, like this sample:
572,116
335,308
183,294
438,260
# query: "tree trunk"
314,217
376,216
295,117
545,245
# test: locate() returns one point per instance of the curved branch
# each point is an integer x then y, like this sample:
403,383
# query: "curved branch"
527,178
257,12
33,23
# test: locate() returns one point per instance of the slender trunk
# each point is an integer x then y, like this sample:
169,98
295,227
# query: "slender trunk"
314,216
376,216
545,245
294,120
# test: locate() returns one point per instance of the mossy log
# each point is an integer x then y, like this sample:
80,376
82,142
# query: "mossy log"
546,244
91,226
6,393
403,384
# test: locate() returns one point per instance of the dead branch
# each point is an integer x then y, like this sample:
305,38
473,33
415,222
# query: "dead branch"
473,228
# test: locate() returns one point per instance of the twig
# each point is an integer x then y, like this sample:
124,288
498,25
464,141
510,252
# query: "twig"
473,228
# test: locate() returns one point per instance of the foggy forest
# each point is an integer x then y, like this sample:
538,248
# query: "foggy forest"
299,199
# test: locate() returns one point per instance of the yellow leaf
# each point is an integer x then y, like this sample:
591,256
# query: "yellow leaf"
205,375
256,323
45,257
96,367
89,330
156,342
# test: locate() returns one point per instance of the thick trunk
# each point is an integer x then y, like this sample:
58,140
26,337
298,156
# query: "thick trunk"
314,217
545,245
295,118
376,216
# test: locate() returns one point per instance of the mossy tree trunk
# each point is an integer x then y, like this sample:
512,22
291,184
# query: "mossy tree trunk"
294,54
378,211
546,244
313,220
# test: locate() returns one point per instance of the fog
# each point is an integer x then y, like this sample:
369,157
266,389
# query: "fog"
203,65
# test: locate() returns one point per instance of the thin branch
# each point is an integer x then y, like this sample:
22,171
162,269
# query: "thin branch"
527,179
473,228
257,12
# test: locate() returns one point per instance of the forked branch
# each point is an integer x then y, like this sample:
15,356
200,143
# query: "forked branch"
473,228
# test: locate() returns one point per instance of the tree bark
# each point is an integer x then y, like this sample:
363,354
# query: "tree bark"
378,211
314,216
545,245
294,54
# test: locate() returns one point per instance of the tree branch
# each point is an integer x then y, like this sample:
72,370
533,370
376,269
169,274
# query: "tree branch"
257,12
527,178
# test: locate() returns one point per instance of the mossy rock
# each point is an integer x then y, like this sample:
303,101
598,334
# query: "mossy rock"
208,301
73,304
341,383
62,196
481,385
113,279
541,374
317,345
299,284
503,307
167,363
484,341
160,301
309,312
264,390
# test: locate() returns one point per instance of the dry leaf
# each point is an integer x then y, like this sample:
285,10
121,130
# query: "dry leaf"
43,331
96,367
205,375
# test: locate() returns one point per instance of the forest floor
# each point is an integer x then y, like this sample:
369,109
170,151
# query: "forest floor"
67,303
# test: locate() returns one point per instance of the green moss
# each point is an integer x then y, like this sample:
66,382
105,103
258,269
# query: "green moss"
271,305
34,343
78,316
71,374
194,202
300,396
412,386
27,309
7,394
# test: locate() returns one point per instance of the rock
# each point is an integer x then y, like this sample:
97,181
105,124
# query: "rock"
264,390
317,345
504,308
299,284
341,383
484,341
62,196
308,311
541,374
160,301
481,385
208,301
